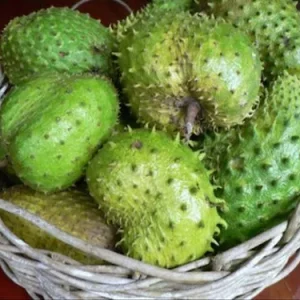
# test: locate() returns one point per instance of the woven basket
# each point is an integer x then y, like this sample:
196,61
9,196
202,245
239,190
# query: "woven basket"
239,273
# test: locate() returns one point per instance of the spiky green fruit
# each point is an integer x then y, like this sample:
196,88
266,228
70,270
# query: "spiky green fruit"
158,193
52,125
187,73
72,212
55,39
273,26
257,165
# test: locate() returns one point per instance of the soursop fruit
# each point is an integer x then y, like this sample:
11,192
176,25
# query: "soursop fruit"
157,192
257,165
272,25
187,73
55,39
52,125
70,211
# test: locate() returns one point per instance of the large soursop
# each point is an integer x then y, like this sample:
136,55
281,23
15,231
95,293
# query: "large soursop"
273,25
257,164
52,125
72,212
187,73
159,195
55,39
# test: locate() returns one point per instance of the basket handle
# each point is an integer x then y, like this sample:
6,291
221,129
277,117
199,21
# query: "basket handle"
122,3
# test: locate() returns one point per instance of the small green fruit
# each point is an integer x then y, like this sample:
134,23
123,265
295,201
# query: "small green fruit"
257,165
52,125
72,212
55,39
158,193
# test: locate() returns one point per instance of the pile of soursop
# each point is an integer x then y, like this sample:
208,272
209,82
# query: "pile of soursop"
171,135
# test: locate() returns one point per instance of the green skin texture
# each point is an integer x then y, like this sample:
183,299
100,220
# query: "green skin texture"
70,211
257,165
165,60
158,193
55,39
272,25
53,124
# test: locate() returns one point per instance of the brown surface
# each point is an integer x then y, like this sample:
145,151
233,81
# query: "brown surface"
109,12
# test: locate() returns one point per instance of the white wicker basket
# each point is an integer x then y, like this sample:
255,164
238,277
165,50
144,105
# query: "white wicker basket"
239,273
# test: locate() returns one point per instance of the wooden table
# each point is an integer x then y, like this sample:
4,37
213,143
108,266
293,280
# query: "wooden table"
109,12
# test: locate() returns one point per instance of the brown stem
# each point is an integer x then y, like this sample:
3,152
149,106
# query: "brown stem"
193,109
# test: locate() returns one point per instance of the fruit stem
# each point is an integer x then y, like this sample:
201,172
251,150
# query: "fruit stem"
193,109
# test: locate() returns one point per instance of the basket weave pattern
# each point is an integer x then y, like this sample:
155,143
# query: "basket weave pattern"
239,273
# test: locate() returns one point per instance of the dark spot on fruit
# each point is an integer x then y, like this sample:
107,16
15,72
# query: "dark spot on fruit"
63,54
286,123
200,224
99,108
147,192
134,186
94,69
193,190
46,136
275,201
191,257
45,175
183,207
265,166
239,189
177,160
273,182
150,173
297,116
294,138
158,196
97,49
159,248
170,180
146,248
285,160
258,187
162,239
137,144
171,225
181,244
78,122
32,156
261,219
58,43
232,91
172,258
237,54
256,150
240,224
292,177
260,205
276,145
57,119
58,156
119,198
153,150
62,142
133,167
242,209
119,183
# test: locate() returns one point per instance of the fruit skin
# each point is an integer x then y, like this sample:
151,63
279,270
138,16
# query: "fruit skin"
55,39
168,63
157,192
70,211
256,164
272,25
53,124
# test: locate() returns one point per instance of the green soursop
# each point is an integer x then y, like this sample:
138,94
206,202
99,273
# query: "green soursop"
156,191
52,125
72,212
55,39
257,165
187,73
273,26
